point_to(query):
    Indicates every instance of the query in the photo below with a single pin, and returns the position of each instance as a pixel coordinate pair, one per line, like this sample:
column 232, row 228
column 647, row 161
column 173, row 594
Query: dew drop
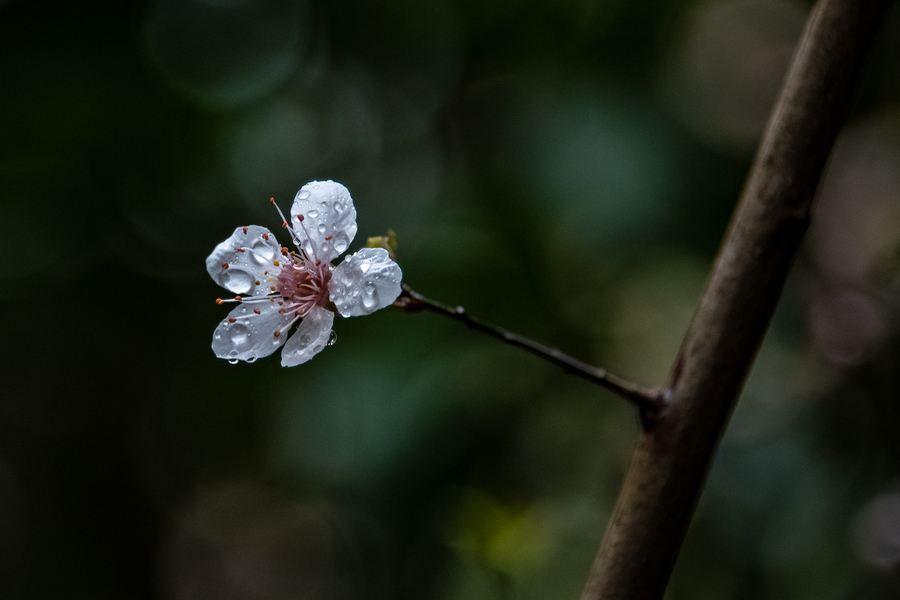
column 303, row 195
column 369, row 297
column 341, row 242
column 312, row 214
column 364, row 267
column 233, row 361
column 236, row 280
column 261, row 252
column 305, row 340
column 322, row 228
column 332, row 338
column 338, row 208
column 250, row 359
column 318, row 349
column 239, row 333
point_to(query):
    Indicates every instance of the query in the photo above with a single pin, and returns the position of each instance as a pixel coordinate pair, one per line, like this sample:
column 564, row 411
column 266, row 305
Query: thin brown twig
column 649, row 402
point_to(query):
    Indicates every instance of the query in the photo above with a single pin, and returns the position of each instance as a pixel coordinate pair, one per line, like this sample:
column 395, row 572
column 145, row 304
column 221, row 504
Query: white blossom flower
column 276, row 287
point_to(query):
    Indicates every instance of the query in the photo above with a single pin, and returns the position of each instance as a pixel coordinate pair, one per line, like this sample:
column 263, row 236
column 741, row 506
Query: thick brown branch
column 670, row 464
column 650, row 403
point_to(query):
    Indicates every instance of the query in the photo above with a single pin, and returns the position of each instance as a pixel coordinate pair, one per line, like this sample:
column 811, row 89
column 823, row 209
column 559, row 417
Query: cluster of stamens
column 299, row 284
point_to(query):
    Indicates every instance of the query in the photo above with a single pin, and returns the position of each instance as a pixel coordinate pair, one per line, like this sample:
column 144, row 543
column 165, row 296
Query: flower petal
column 364, row 282
column 309, row 339
column 251, row 335
column 329, row 219
column 250, row 253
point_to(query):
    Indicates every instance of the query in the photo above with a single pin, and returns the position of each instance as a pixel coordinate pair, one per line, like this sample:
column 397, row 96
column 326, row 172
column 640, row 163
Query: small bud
column 388, row 242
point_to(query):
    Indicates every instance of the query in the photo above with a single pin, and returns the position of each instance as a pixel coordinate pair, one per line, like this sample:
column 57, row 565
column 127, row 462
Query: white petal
column 327, row 211
column 365, row 282
column 252, row 335
column 309, row 339
column 249, row 255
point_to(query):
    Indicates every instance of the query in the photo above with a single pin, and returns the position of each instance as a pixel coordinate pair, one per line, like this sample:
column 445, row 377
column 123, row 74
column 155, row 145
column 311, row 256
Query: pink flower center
column 303, row 284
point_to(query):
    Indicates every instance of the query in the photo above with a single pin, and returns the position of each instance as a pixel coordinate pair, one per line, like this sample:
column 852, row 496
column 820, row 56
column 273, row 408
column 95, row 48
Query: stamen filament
column 245, row 299
column 285, row 223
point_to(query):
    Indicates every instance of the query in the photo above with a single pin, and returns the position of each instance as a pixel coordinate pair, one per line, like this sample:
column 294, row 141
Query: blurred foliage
column 563, row 168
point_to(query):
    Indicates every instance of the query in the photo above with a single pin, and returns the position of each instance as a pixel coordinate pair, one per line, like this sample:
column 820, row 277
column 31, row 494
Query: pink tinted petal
column 248, row 255
column 309, row 339
column 251, row 335
column 329, row 219
column 364, row 282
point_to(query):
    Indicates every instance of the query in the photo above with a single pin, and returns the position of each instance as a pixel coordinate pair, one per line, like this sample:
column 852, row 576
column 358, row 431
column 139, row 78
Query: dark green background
column 562, row 168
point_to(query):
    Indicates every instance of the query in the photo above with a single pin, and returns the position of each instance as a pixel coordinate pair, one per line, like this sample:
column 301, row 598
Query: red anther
column 299, row 217
column 281, row 311
column 219, row 301
column 276, row 333
column 265, row 236
column 265, row 272
column 238, row 298
column 245, row 230
column 224, row 265
column 272, row 200
column 256, row 310
column 329, row 237
column 240, row 249
column 257, row 283
column 231, row 320
column 284, row 225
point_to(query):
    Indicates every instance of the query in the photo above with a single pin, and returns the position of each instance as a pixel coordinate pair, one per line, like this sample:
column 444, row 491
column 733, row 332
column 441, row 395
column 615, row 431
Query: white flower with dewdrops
column 276, row 287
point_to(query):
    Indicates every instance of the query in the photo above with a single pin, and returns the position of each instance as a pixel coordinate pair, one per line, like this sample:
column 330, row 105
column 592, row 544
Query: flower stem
column 649, row 402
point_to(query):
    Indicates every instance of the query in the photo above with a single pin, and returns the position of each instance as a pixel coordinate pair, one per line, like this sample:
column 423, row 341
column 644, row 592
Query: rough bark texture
column 671, row 461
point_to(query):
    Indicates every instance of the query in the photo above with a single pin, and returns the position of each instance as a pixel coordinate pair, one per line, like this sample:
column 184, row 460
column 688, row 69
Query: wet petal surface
column 364, row 282
column 249, row 254
column 329, row 219
column 309, row 339
column 247, row 334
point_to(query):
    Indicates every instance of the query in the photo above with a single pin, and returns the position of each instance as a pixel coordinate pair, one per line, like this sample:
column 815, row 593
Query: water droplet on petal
column 261, row 252
column 322, row 228
column 332, row 338
column 240, row 335
column 312, row 214
column 364, row 267
column 369, row 297
column 234, row 361
column 250, row 359
column 340, row 242
column 338, row 208
column 236, row 280
column 303, row 195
